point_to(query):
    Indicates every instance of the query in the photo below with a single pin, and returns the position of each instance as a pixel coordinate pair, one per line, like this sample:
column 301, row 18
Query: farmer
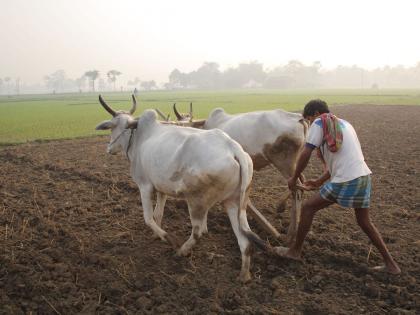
column 346, row 179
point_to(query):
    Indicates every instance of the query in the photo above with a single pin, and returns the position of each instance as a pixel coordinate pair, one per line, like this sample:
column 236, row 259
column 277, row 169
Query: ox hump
column 216, row 117
column 148, row 116
column 217, row 112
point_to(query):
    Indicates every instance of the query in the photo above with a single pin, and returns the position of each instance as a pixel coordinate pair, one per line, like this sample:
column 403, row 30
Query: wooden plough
column 262, row 220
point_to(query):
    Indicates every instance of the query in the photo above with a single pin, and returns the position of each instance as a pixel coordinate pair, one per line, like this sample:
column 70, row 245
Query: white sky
column 149, row 39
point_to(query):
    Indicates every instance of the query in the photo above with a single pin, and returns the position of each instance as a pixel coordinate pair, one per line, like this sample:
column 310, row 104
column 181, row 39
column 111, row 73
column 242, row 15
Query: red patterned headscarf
column 333, row 135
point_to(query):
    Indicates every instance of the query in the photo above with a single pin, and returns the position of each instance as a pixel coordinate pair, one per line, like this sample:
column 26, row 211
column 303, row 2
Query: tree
column 1, row 84
column 80, row 83
column 207, row 76
column 112, row 76
column 92, row 75
column 55, row 80
column 17, row 86
column 245, row 75
column 148, row 85
column 231, row 78
column 134, row 82
column 7, row 80
column 252, row 71
column 102, row 85
column 294, row 74
column 177, row 79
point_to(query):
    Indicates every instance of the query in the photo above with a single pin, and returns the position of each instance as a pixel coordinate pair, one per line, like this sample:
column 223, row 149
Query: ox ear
column 107, row 124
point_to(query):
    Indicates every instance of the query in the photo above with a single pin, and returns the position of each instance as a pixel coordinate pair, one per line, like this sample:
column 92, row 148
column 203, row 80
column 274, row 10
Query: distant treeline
column 294, row 74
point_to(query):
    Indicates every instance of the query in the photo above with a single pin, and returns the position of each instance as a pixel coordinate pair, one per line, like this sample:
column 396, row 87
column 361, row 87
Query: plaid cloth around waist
column 352, row 194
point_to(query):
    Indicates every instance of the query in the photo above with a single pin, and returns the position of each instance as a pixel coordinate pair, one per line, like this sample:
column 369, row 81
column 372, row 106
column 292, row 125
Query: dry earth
column 73, row 239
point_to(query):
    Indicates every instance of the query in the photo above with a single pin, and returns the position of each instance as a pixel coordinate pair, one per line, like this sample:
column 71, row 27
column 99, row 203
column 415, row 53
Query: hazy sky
column 149, row 39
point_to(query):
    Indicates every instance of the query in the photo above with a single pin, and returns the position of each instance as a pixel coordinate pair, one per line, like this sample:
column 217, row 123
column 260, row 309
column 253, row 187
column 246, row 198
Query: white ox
column 203, row 167
column 270, row 137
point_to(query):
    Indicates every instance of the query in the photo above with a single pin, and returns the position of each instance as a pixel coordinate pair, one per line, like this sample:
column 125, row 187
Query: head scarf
column 333, row 134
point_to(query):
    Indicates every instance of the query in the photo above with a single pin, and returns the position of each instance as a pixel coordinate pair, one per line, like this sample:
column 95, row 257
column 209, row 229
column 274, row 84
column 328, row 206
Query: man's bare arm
column 301, row 164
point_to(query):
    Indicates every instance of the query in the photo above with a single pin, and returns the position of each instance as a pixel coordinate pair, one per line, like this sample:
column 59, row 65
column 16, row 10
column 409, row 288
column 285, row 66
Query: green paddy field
column 61, row 116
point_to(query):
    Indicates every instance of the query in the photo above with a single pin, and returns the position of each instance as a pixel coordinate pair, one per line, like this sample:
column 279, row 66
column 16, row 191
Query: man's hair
column 314, row 106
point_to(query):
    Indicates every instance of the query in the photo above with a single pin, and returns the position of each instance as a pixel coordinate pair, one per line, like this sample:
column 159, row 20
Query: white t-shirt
column 348, row 162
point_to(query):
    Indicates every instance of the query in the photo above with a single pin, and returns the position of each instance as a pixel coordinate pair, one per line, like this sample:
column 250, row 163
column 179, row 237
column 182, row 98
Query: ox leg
column 159, row 208
column 204, row 229
column 197, row 217
column 243, row 242
column 286, row 166
column 147, row 202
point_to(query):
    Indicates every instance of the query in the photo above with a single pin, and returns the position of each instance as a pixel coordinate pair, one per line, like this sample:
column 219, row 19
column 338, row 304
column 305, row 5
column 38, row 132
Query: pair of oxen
column 205, row 162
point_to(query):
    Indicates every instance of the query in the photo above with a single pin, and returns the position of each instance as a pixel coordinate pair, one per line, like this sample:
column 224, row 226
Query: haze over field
column 149, row 39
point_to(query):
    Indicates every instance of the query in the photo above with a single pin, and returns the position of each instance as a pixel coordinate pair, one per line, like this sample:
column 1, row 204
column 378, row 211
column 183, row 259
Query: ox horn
column 107, row 108
column 133, row 109
column 191, row 112
column 162, row 115
column 178, row 115
column 132, row 124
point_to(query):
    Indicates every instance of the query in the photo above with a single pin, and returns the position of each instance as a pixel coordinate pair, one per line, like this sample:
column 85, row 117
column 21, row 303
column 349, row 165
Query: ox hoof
column 245, row 277
column 156, row 237
column 285, row 253
column 183, row 252
column 393, row 270
column 172, row 240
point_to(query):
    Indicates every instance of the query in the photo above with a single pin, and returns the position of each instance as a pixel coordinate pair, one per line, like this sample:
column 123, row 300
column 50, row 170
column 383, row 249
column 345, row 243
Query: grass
column 61, row 116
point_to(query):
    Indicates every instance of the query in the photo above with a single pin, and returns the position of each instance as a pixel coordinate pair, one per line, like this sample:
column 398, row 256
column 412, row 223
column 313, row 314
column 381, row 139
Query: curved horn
column 162, row 115
column 132, row 124
column 178, row 115
column 133, row 109
column 107, row 108
column 191, row 112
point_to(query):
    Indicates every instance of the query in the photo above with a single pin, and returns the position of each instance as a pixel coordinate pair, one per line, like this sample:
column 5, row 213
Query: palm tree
column 112, row 76
column 92, row 75
column 7, row 80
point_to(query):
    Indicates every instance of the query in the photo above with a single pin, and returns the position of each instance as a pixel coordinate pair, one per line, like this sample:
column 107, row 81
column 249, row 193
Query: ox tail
column 246, row 169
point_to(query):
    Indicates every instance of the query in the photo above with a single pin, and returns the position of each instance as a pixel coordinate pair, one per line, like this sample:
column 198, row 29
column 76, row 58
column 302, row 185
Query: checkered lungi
column 352, row 194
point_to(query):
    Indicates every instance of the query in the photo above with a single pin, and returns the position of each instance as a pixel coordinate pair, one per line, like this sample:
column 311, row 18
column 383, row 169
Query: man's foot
column 394, row 270
column 286, row 253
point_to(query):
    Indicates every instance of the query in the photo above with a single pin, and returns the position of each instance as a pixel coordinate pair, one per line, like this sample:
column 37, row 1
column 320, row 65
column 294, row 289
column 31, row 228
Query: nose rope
column 116, row 139
column 129, row 141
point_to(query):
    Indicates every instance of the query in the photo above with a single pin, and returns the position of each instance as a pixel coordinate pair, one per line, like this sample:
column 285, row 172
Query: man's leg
column 309, row 208
column 363, row 219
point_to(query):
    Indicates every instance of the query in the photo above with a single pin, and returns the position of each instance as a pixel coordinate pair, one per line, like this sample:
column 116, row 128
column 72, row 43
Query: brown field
column 73, row 239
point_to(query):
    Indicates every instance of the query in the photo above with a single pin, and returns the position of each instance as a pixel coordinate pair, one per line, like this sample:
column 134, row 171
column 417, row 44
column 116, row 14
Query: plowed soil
column 73, row 239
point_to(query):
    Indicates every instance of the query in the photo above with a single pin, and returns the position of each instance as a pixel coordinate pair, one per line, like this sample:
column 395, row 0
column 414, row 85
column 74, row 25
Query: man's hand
column 316, row 183
column 302, row 161
column 291, row 182
column 313, row 183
